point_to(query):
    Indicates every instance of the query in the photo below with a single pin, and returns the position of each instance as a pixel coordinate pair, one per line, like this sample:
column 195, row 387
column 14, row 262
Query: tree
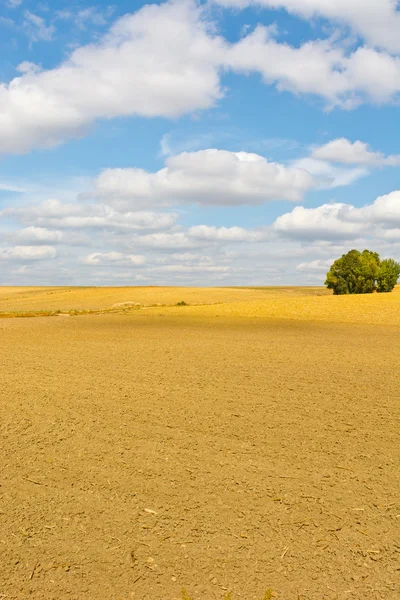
column 362, row 273
column 388, row 275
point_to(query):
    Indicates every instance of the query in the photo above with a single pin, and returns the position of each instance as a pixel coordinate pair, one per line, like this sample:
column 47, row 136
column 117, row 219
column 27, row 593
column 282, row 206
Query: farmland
column 244, row 440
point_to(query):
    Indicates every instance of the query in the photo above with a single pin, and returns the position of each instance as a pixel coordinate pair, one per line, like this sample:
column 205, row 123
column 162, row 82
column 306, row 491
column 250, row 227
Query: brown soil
column 144, row 454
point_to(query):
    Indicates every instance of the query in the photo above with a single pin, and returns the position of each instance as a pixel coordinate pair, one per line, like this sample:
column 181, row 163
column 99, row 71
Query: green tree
column 362, row 273
column 388, row 276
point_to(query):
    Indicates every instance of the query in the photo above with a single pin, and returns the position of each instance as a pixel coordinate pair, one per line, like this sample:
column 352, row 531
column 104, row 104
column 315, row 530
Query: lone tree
column 362, row 273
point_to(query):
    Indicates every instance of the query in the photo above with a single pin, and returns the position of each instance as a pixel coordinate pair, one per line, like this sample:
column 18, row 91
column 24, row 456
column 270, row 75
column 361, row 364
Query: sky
column 227, row 142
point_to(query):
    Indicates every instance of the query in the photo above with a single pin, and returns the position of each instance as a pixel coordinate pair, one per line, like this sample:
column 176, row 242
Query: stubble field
column 245, row 442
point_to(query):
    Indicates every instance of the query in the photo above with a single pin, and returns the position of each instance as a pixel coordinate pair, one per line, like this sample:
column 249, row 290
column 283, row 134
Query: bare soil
column 145, row 454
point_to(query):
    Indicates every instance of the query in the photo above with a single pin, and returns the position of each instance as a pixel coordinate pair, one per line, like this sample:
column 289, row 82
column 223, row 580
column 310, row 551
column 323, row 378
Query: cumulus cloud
column 319, row 67
column 23, row 253
column 326, row 222
column 160, row 61
column 166, row 60
column 315, row 265
column 100, row 258
column 341, row 162
column 226, row 234
column 187, row 269
column 344, row 151
column 166, row 241
column 206, row 177
column 391, row 235
column 185, row 257
column 54, row 213
column 39, row 234
column 378, row 21
column 194, row 237
column 385, row 211
column 338, row 221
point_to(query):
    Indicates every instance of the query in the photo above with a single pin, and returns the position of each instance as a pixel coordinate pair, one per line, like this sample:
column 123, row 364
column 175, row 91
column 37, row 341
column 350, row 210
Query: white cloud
column 21, row 270
column 9, row 187
column 391, row 235
column 327, row 175
column 326, row 222
column 385, row 211
column 100, row 258
column 53, row 213
column 192, row 269
column 337, row 221
column 341, row 162
column 36, row 28
column 378, row 21
column 225, row 234
column 315, row 265
column 185, row 257
column 166, row 241
column 91, row 15
column 28, row 67
column 320, row 67
column 166, row 60
column 207, row 177
column 22, row 253
column 14, row 3
column 359, row 153
column 160, row 61
column 39, row 234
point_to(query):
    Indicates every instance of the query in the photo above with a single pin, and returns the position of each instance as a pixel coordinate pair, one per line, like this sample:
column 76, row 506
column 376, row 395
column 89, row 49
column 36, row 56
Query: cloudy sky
column 202, row 143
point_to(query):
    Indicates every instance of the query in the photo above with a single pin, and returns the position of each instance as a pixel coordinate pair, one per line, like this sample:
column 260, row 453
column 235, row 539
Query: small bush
column 181, row 303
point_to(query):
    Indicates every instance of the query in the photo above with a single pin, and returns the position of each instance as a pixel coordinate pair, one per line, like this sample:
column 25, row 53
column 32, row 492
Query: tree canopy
column 362, row 273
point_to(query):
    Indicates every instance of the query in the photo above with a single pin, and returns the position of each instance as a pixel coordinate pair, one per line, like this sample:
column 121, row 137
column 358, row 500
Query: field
column 247, row 440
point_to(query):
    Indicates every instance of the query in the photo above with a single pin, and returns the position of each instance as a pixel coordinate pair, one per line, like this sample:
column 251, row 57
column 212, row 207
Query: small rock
column 149, row 511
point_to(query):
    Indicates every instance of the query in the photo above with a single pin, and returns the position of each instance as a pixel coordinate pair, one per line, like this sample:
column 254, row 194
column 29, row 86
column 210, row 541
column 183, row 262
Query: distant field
column 95, row 298
column 247, row 441
column 299, row 303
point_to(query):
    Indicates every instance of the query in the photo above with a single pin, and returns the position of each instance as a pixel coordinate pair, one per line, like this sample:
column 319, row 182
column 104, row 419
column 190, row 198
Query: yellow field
column 247, row 441
column 315, row 304
column 92, row 298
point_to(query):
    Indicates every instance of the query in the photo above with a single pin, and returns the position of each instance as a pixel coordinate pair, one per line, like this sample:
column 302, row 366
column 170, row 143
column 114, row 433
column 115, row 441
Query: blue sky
column 229, row 142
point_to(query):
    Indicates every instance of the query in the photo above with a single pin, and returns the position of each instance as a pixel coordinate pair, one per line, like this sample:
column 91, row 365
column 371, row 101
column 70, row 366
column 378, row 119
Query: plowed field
column 246, row 445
